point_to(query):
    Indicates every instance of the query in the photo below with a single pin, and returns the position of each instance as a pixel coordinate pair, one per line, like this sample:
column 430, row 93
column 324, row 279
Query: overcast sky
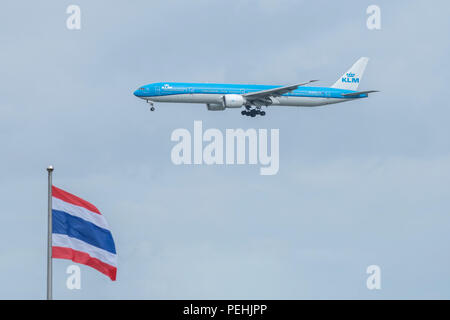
column 360, row 183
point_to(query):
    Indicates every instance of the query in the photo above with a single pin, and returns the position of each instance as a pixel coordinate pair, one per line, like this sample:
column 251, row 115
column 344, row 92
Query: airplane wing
column 275, row 92
column 356, row 94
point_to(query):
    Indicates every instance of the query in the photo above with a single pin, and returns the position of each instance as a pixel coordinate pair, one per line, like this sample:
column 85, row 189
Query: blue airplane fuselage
column 220, row 96
column 211, row 93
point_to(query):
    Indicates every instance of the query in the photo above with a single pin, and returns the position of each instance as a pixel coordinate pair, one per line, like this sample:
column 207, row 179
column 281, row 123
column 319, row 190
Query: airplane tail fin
column 350, row 80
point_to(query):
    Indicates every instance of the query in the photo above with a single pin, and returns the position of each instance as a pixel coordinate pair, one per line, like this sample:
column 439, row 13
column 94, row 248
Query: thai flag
column 81, row 233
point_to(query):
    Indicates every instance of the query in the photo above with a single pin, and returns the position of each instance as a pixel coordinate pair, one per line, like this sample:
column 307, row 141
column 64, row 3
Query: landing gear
column 152, row 108
column 252, row 112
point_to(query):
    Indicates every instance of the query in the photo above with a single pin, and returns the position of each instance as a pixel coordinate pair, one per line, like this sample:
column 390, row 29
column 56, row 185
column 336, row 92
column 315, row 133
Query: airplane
column 219, row 97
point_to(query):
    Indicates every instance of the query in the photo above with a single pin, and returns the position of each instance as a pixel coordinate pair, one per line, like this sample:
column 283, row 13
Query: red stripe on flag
column 70, row 198
column 86, row 259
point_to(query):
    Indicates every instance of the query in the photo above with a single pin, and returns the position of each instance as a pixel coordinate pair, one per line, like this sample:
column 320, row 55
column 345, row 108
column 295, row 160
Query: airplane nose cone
column 136, row 93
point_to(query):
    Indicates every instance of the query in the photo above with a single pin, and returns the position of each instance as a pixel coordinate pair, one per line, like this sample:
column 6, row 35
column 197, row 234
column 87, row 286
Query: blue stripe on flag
column 64, row 223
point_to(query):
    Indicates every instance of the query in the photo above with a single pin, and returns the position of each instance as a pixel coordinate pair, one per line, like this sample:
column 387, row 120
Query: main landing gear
column 249, row 112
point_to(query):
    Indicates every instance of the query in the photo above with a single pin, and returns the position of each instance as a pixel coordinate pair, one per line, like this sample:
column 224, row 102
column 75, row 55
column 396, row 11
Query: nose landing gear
column 152, row 108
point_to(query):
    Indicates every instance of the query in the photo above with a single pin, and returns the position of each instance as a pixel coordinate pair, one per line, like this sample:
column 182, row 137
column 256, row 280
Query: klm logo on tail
column 350, row 78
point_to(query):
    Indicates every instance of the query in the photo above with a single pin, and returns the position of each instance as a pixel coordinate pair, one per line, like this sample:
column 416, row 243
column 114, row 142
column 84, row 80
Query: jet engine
column 215, row 106
column 233, row 100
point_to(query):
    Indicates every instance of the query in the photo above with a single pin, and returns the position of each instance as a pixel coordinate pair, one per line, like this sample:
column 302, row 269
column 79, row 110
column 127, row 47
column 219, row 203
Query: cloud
column 359, row 183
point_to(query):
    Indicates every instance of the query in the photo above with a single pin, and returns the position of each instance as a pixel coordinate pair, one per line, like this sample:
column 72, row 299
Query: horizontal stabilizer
column 356, row 94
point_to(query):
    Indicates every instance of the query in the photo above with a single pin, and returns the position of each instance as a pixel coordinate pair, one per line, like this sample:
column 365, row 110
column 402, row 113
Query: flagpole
column 49, row 236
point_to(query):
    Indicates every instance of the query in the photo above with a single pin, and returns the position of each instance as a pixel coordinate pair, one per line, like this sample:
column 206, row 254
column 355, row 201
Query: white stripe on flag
column 62, row 240
column 80, row 212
